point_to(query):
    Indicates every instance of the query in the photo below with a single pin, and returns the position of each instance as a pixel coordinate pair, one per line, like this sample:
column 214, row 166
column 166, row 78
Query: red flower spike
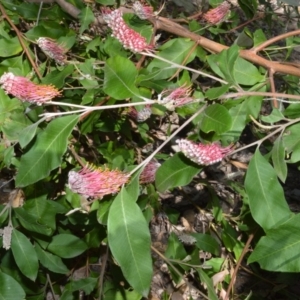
column 53, row 50
column 203, row 154
column 216, row 15
column 129, row 38
column 96, row 182
column 25, row 90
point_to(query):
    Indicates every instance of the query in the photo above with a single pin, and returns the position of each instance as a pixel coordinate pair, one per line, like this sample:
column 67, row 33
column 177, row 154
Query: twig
column 233, row 277
column 19, row 35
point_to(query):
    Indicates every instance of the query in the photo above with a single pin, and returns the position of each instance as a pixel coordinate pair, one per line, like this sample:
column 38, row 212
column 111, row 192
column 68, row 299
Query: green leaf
column 266, row 197
column 10, row 289
column 129, row 241
column 58, row 77
column 24, row 254
column 85, row 284
column 176, row 171
column 52, row 262
column 46, row 154
column 27, row 134
column 175, row 50
column 278, row 251
column 246, row 73
column 216, row 118
column 119, row 77
column 216, row 92
column 66, row 245
column 86, row 17
column 278, row 158
column 10, row 47
column 292, row 142
column 207, row 243
column 209, row 284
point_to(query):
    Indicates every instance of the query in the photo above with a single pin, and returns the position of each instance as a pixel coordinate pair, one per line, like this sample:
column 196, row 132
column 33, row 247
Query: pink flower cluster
column 52, row 49
column 203, row 154
column 148, row 174
column 129, row 38
column 25, row 90
column 176, row 98
column 216, row 15
column 142, row 115
column 96, row 182
column 144, row 12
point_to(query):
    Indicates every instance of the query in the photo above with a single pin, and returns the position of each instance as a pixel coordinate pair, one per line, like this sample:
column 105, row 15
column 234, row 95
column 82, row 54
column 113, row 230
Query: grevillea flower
column 202, row 154
column 25, row 90
column 129, row 38
column 142, row 115
column 148, row 174
column 142, row 11
column 52, row 49
column 96, row 182
column 216, row 15
column 176, row 98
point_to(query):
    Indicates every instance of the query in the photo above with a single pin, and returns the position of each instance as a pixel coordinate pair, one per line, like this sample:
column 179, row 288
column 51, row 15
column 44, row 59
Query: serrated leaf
column 266, row 197
column 216, row 118
column 47, row 151
column 129, row 241
column 176, row 171
column 50, row 261
column 278, row 251
column 119, row 77
column 24, row 254
column 10, row 289
column 66, row 245
column 278, row 159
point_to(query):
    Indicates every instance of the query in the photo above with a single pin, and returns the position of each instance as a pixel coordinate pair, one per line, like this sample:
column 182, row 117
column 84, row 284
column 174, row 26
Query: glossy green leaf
column 278, row 251
column 119, row 77
column 278, row 159
column 266, row 197
column 207, row 243
column 209, row 284
column 176, row 171
column 50, row 261
column 58, row 78
column 67, row 245
column 129, row 241
column 24, row 254
column 216, row 118
column 10, row 289
column 47, row 151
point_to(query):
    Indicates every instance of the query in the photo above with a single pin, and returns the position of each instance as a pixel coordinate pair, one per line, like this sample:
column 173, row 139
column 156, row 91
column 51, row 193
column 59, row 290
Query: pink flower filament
column 96, row 182
column 52, row 49
column 25, row 90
